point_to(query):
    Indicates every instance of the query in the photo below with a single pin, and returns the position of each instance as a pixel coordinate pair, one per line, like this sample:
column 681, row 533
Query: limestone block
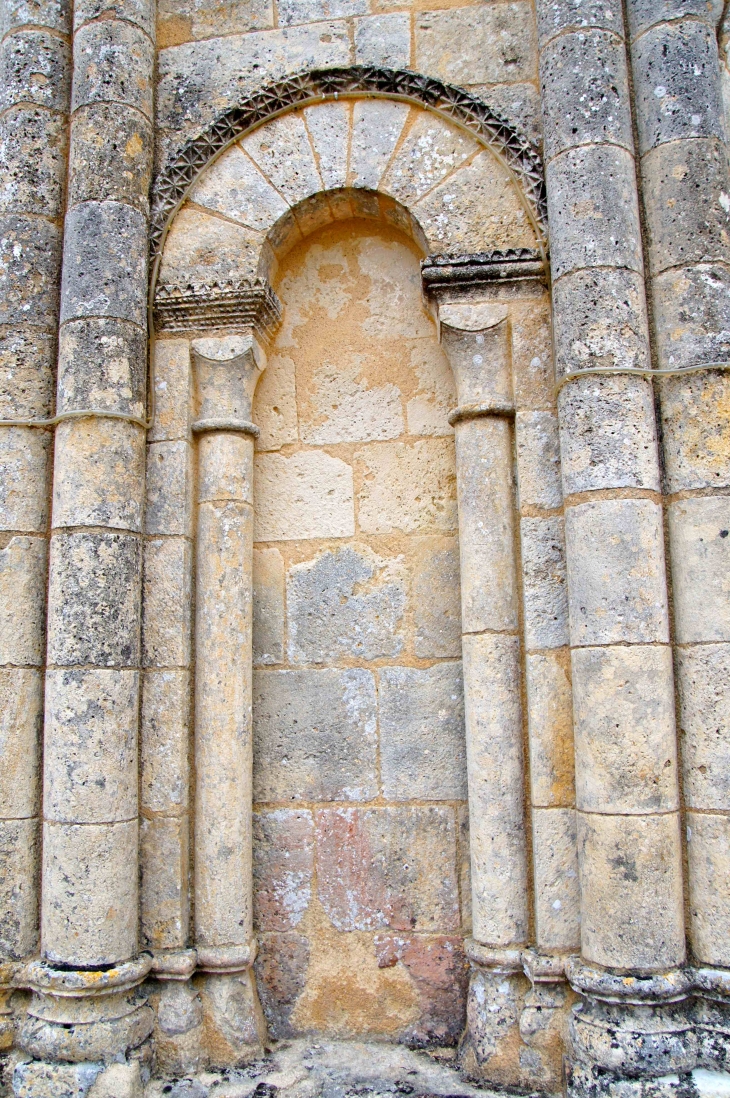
column 473, row 46
column 422, row 738
column 90, row 746
column 430, row 150
column 696, row 433
column 105, row 263
column 274, row 408
column 139, row 12
column 19, row 859
column 494, row 1007
column 172, row 390
column 519, row 104
column 388, row 867
column 464, row 866
column 314, row 735
column 692, row 315
column 165, row 741
column 708, row 858
column 593, row 209
column 210, row 16
column 308, row 495
column 33, row 146
column 436, row 597
column 310, row 11
column 89, row 914
column 550, row 725
column 281, row 968
column 557, row 894
column 631, row 889
column 438, row 968
column 30, row 257
column 346, row 603
column 118, row 1081
column 99, row 474
column 100, row 169
column 383, row 40
column 328, row 125
column 205, row 249
column 560, row 15
column 643, row 14
column 407, row 487
column 616, row 574
column 283, row 867
column 102, row 363
column 284, row 154
column 625, row 745
column 26, row 378
column 22, row 611
column 608, row 434
column 376, row 126
column 538, row 460
column 179, row 1028
column 169, row 504
column 585, row 91
column 268, row 607
column 600, row 320
column 533, row 372
column 475, row 209
column 53, row 14
column 698, row 537
column 496, row 808
column 544, row 588
column 677, row 83
column 476, row 341
column 113, row 62
column 93, row 599
column 486, row 524
column 163, row 893
column 35, row 67
column 233, row 1026
column 24, row 482
column 235, row 187
column 344, row 406
column 167, row 602
column 36, row 1079
column 703, row 681
column 21, row 716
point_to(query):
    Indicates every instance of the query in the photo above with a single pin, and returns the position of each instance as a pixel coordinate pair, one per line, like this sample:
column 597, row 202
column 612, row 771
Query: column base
column 491, row 1047
column 234, row 1030
column 34, row 1079
column 178, row 1033
column 712, row 1018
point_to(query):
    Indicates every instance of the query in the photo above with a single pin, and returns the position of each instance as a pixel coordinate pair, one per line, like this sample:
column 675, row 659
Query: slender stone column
column 686, row 184
column 89, row 914
column 623, row 692
column 226, row 371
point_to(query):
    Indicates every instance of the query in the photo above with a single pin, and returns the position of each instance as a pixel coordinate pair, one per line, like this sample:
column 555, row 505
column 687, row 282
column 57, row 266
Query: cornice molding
column 453, row 276
column 197, row 308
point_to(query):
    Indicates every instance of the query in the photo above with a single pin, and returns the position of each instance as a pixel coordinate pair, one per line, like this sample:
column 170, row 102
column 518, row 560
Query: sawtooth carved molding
column 230, row 304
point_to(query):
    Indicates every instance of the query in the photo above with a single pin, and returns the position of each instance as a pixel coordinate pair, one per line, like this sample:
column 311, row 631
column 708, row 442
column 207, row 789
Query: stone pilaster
column 89, row 918
column 685, row 186
column 623, row 692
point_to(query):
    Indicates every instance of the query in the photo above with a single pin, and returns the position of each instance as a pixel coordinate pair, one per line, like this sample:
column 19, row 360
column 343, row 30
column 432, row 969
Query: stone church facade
column 364, row 510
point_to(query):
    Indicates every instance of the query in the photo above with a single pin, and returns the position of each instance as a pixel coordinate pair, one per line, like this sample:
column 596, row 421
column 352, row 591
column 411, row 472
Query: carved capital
column 244, row 304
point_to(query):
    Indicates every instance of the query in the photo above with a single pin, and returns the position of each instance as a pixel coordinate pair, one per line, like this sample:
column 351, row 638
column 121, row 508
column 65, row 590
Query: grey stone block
column 93, row 600
column 474, row 45
column 120, row 169
column 346, row 602
column 102, row 364
column 557, row 16
column 643, row 14
column 314, row 735
column 557, row 893
column 695, row 430
column 703, row 682
column 585, row 91
column 268, row 607
column 35, row 67
column 33, row 147
column 593, row 210
column 19, row 863
column 21, row 721
column 312, row 11
column 139, row 12
column 692, row 315
column 708, row 859
column 27, row 358
column 163, row 884
column 384, row 40
column 23, row 569
column 544, row 582
column 169, row 506
column 24, row 455
column 283, row 867
column 99, row 474
column 422, row 737
column 538, row 460
column 30, row 258
column 165, row 741
column 105, row 263
column 519, row 104
column 167, row 602
column 54, row 14
column 436, row 598
column 700, row 548
column 113, row 62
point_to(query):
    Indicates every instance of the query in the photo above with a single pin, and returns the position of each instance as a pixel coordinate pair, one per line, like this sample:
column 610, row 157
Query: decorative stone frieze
column 228, row 305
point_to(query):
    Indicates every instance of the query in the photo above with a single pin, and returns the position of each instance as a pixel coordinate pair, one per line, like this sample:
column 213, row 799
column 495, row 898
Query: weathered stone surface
column 438, row 968
column 538, row 460
column 169, row 506
column 34, row 1077
column 179, row 1030
column 54, row 14
column 281, row 967
column 388, row 868
column 118, row 1081
column 643, row 14
column 550, row 725
column 164, row 741
column 383, row 39
column 35, row 68
column 139, row 12
column 407, row 487
column 429, row 151
column 102, row 364
column 376, row 127
column 283, row 864
column 225, row 467
column 696, row 434
column 19, row 860
column 557, row 894
column 26, row 379
column 99, row 474
column 314, row 735
column 544, row 588
column 173, row 384
column 436, row 597
column 233, row 1024
column 24, row 457
column 422, row 738
column 105, row 263
column 519, row 104
column 533, row 372
column 625, row 747
column 631, row 889
column 311, row 11
column 284, row 154
column 699, row 530
column 90, row 746
column 119, row 170
column 708, row 858
column 692, row 311
column 473, row 46
column 113, row 62
column 328, row 126
column 493, row 1009
column 345, row 603
column 94, row 582
column 235, row 187
column 308, row 495
column 30, row 254
column 33, row 146
column 703, row 681
column 616, row 575
column 206, row 249
column 163, row 893
column 21, row 716
column 268, row 607
column 22, row 612
column 89, row 914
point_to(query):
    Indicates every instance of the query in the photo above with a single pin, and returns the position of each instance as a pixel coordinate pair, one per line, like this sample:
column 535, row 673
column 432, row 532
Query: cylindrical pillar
column 226, row 371
column 477, row 342
column 623, row 692
column 89, row 916
column 686, row 183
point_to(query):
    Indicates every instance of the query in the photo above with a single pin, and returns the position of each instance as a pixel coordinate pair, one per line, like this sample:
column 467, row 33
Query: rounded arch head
column 337, row 143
